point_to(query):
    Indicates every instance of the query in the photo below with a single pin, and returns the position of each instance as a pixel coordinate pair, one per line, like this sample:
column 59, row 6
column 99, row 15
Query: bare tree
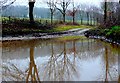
column 62, row 7
column 111, row 14
column 95, row 16
column 51, row 5
column 93, row 10
column 118, row 14
column 81, row 12
column 87, row 10
column 73, row 12
column 81, row 16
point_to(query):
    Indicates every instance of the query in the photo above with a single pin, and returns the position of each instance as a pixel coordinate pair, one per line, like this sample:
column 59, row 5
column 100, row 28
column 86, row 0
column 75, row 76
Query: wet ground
column 71, row 32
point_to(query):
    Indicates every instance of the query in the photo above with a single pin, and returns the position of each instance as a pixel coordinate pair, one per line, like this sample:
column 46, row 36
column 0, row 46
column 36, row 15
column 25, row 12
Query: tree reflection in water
column 59, row 67
column 109, row 76
column 119, row 65
column 32, row 71
column 107, row 65
column 12, row 72
column 63, row 62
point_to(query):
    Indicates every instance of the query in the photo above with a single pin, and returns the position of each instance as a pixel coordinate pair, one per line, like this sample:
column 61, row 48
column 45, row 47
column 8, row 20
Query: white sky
column 41, row 3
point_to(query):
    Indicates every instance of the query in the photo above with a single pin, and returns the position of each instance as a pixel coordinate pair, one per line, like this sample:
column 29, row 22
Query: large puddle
column 59, row 60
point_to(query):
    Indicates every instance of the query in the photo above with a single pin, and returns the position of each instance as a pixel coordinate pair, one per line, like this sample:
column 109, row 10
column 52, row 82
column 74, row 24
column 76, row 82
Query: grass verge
column 112, row 33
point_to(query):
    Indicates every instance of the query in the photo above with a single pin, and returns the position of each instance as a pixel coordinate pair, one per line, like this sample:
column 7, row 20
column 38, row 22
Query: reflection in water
column 33, row 72
column 118, row 65
column 108, row 73
column 74, row 60
column 59, row 67
column 107, row 65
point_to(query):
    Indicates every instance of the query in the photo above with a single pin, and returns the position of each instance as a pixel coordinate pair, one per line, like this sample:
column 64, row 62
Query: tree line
column 108, row 12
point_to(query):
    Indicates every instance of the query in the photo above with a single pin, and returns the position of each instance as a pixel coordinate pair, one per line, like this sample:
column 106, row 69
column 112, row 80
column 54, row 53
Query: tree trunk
column 91, row 20
column 31, row 6
column 73, row 18
column 118, row 18
column 94, row 20
column 64, row 17
column 105, row 12
column 81, row 18
column 87, row 18
column 64, row 11
column 81, row 21
column 97, row 20
column 51, row 18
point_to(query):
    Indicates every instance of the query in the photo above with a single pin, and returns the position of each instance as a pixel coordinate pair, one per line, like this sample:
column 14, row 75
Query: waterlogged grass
column 69, row 38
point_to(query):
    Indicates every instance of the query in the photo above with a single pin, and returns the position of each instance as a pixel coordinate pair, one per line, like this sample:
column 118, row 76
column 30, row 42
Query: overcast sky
column 41, row 3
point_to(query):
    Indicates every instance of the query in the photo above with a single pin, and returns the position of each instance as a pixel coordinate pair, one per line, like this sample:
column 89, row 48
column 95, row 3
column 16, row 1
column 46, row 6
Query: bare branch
column 52, row 7
column 5, row 6
column 60, row 10
column 64, row 5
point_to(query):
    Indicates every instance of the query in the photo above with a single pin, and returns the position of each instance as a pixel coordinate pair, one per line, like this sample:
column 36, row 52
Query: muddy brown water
column 53, row 60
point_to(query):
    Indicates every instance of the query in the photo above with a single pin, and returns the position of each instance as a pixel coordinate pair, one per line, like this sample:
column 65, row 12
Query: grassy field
column 46, row 20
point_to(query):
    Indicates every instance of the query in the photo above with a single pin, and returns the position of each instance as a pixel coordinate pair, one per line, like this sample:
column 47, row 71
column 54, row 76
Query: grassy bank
column 16, row 27
column 112, row 34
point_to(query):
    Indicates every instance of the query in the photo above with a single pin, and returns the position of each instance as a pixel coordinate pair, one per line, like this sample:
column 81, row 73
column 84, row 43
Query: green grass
column 116, row 27
column 68, row 27
column 69, row 38
column 61, row 28
column 115, row 30
column 65, row 27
